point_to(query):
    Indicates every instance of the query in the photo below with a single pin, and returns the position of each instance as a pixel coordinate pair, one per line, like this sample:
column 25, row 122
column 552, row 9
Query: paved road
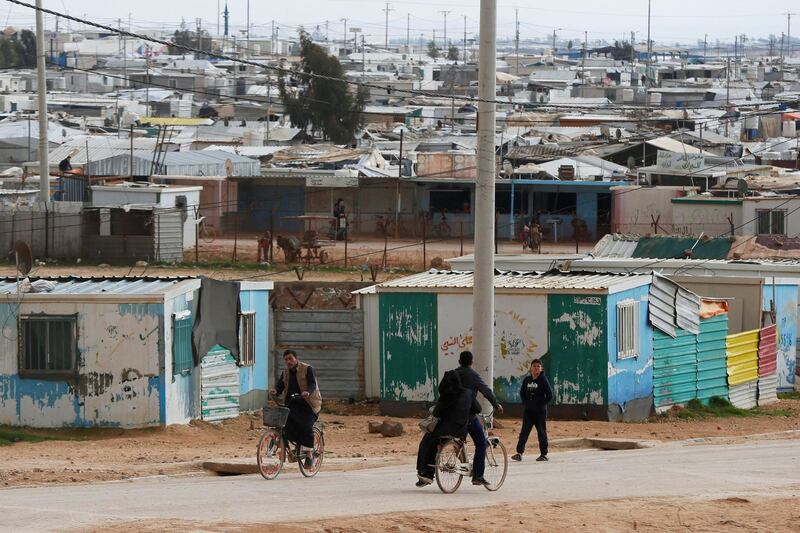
column 767, row 467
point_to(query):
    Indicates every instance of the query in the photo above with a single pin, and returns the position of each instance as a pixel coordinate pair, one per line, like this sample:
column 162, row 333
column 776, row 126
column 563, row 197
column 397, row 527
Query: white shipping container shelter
column 186, row 199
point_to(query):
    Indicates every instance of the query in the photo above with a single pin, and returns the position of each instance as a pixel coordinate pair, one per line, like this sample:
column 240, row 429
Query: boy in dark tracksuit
column 535, row 393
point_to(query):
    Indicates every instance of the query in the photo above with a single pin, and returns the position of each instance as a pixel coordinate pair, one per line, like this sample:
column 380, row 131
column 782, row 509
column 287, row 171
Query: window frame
column 769, row 216
column 44, row 373
column 185, row 367
column 628, row 341
column 247, row 338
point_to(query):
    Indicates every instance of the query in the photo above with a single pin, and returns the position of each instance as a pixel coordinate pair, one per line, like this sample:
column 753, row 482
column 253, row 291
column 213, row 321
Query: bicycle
column 272, row 450
column 206, row 231
column 453, row 463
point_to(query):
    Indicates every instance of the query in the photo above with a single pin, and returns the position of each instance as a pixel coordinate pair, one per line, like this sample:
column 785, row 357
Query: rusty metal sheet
column 768, row 351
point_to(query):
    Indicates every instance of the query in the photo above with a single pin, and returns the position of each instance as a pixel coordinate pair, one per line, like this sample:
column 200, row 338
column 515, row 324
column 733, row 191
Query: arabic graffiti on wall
column 520, row 336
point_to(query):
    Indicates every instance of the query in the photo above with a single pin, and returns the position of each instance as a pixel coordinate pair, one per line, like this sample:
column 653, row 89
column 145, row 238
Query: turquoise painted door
column 577, row 359
column 409, row 354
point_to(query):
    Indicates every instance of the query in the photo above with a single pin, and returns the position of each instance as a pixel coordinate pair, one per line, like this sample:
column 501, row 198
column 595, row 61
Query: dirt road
column 761, row 469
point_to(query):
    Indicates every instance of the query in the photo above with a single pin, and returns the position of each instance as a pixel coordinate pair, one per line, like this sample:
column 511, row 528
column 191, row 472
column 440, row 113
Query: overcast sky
column 672, row 20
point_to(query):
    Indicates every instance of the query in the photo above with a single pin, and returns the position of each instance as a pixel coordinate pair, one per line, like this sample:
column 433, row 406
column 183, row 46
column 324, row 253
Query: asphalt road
column 693, row 471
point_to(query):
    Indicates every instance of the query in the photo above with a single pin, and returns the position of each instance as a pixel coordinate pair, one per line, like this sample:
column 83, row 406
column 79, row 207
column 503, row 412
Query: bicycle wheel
column 316, row 455
column 448, row 466
column 271, row 454
column 496, row 464
column 208, row 234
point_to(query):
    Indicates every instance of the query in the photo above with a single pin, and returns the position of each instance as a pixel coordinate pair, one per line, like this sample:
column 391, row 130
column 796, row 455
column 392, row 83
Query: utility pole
column 327, row 33
column 218, row 18
column 41, row 82
column 465, row 38
column 705, row 47
column 789, row 33
column 247, row 45
column 727, row 92
column 649, row 48
column 554, row 43
column 444, row 46
column 585, row 52
column 483, row 277
column 782, row 37
column 408, row 34
column 516, row 39
column 344, row 39
column 363, row 58
column 387, row 9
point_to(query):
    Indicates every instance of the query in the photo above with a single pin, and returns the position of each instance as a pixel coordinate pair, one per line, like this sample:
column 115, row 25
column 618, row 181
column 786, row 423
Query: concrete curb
column 603, row 443
column 231, row 468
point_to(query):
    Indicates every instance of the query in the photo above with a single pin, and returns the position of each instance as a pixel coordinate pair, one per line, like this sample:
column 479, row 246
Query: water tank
column 790, row 129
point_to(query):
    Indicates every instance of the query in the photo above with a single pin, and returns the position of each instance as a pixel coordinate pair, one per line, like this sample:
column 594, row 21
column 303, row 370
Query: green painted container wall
column 577, row 360
column 674, row 368
column 408, row 346
column 712, row 373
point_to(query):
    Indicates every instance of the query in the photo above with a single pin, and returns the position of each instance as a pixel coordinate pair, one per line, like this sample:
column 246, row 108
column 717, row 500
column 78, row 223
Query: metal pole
column 41, row 82
column 516, row 40
column 408, row 32
column 483, row 302
column 465, row 38
column 248, row 29
column 130, row 161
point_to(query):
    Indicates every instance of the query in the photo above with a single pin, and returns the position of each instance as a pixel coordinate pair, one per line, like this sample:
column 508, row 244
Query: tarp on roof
column 676, row 248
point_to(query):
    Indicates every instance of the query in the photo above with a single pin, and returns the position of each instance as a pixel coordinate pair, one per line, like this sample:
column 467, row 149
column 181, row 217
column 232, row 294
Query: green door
column 408, row 337
column 577, row 361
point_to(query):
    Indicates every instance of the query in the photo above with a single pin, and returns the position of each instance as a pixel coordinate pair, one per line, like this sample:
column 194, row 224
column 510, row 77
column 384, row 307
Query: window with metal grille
column 48, row 345
column 771, row 222
column 627, row 329
column 182, row 360
column 247, row 338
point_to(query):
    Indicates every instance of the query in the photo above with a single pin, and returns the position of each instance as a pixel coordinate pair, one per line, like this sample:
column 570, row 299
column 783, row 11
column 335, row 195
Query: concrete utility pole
column 789, row 33
column 444, row 47
column 408, row 33
column 516, row 39
column 585, row 52
column 705, row 47
column 41, row 82
column 649, row 48
column 387, row 9
column 465, row 38
column 783, row 35
column 483, row 291
column 218, row 12
column 554, row 42
column 247, row 45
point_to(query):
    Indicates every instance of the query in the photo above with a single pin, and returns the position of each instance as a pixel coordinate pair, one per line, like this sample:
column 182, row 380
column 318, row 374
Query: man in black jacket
column 472, row 380
column 535, row 393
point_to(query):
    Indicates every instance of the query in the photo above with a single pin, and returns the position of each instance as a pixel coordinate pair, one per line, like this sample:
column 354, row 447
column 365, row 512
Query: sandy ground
column 103, row 455
column 731, row 514
column 403, row 255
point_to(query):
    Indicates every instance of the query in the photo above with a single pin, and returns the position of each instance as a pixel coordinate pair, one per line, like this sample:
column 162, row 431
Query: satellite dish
column 742, row 187
column 23, row 257
column 228, row 168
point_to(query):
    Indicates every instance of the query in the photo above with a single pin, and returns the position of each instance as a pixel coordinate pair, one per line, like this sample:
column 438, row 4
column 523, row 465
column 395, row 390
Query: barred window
column 48, row 345
column 247, row 338
column 627, row 329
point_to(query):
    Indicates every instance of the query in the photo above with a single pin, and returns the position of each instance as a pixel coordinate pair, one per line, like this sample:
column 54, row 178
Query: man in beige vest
column 301, row 395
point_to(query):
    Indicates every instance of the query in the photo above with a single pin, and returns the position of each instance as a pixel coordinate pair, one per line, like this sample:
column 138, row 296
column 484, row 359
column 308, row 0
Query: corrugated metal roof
column 127, row 286
column 671, row 145
column 446, row 279
column 676, row 248
column 615, row 245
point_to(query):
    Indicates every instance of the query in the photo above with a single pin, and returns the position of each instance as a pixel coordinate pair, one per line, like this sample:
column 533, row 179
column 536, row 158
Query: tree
column 26, row 48
column 325, row 105
column 452, row 53
column 183, row 37
column 8, row 54
column 622, row 51
column 433, row 50
column 569, row 45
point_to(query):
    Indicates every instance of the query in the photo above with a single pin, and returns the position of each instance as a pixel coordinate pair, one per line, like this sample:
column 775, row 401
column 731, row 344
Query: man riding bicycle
column 303, row 399
column 472, row 380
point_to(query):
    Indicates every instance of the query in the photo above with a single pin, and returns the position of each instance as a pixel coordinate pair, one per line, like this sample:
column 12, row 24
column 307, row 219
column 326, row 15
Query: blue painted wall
column 117, row 383
column 786, row 320
column 629, row 379
column 180, row 398
column 254, row 378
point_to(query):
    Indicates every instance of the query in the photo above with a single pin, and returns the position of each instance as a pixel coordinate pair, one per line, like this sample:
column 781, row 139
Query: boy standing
column 535, row 393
